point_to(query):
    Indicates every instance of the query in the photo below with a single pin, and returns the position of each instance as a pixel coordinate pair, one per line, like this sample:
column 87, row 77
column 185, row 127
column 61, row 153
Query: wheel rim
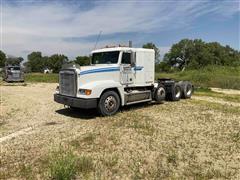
column 110, row 103
column 161, row 92
column 189, row 90
column 178, row 92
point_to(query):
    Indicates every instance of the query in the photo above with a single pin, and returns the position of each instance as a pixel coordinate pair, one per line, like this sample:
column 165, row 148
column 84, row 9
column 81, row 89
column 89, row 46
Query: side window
column 126, row 58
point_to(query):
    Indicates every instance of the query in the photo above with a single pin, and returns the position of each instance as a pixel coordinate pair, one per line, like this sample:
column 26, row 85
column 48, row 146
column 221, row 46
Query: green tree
column 11, row 60
column 157, row 51
column 197, row 54
column 163, row 67
column 35, row 62
column 45, row 62
column 26, row 67
column 82, row 60
column 2, row 59
column 56, row 61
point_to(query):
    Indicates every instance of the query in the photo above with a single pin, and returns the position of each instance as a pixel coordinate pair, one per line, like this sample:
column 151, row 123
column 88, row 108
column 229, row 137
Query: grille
column 67, row 83
column 16, row 75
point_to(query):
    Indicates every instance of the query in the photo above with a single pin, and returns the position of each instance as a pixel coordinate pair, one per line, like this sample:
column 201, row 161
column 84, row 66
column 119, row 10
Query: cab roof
column 122, row 49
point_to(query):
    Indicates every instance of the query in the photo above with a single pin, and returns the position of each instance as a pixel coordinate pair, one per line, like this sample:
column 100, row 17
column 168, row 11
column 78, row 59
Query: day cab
column 13, row 74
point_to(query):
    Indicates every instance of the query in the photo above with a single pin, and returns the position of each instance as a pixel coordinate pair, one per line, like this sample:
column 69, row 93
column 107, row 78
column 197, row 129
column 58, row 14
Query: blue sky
column 71, row 27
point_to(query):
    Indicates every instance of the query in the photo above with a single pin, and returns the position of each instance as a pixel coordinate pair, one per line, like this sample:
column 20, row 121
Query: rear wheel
column 109, row 103
column 176, row 93
column 187, row 90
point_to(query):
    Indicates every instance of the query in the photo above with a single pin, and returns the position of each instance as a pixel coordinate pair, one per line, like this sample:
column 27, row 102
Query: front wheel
column 109, row 103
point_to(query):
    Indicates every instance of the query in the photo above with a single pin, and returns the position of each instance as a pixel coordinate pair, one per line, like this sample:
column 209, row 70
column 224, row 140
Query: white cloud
column 42, row 26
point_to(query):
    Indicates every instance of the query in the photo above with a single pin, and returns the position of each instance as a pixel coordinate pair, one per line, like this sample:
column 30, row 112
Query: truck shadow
column 79, row 113
column 88, row 114
column 138, row 106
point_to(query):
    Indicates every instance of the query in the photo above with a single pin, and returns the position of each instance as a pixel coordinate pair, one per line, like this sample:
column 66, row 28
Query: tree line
column 197, row 54
column 186, row 54
column 36, row 62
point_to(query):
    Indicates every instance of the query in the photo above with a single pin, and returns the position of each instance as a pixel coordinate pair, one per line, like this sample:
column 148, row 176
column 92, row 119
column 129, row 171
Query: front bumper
column 14, row 79
column 76, row 102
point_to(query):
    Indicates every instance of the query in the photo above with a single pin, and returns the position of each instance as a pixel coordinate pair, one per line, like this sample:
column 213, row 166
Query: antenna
column 100, row 32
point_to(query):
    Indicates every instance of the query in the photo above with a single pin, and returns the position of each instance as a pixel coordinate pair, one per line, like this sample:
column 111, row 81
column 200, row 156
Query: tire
column 159, row 94
column 176, row 93
column 187, row 89
column 109, row 103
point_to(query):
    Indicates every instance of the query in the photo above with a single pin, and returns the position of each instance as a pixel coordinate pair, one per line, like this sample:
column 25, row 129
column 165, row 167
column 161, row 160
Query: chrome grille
column 67, row 83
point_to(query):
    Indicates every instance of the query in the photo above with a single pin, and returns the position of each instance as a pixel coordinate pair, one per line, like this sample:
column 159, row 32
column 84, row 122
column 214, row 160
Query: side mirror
column 133, row 59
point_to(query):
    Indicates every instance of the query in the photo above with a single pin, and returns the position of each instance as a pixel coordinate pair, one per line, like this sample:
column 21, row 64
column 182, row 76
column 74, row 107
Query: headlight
column 85, row 91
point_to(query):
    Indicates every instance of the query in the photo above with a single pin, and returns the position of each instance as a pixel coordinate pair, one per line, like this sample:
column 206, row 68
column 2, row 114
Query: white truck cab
column 117, row 77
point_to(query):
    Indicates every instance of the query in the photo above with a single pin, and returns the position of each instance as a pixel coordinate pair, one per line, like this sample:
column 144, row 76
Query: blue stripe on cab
column 137, row 68
column 100, row 70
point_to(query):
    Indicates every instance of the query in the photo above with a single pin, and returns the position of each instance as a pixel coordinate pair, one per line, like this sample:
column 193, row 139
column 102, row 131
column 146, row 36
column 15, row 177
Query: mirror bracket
column 133, row 59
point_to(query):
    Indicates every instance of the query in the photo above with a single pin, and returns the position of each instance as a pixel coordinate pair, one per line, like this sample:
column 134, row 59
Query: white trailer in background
column 117, row 77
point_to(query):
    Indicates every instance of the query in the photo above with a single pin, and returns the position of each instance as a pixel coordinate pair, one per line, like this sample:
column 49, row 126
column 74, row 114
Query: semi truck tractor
column 117, row 76
column 13, row 74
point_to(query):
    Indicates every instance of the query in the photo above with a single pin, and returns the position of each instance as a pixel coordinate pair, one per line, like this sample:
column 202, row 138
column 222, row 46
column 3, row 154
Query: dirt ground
column 197, row 138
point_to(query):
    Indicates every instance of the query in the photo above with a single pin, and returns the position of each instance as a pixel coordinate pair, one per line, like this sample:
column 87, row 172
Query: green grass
column 40, row 77
column 63, row 165
column 211, row 76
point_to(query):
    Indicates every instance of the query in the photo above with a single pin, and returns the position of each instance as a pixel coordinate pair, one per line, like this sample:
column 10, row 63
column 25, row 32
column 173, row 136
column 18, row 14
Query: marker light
column 85, row 91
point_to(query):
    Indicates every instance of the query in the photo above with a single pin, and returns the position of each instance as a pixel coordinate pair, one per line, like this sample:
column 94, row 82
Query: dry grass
column 220, row 95
column 190, row 139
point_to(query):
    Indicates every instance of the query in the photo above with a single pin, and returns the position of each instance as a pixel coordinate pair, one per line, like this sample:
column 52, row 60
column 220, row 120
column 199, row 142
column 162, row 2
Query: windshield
column 105, row 57
column 13, row 68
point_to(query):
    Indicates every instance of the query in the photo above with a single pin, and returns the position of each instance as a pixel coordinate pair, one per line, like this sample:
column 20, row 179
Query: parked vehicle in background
column 47, row 71
column 117, row 76
column 13, row 74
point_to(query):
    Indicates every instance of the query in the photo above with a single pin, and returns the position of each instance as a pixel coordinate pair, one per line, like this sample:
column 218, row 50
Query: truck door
column 126, row 69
